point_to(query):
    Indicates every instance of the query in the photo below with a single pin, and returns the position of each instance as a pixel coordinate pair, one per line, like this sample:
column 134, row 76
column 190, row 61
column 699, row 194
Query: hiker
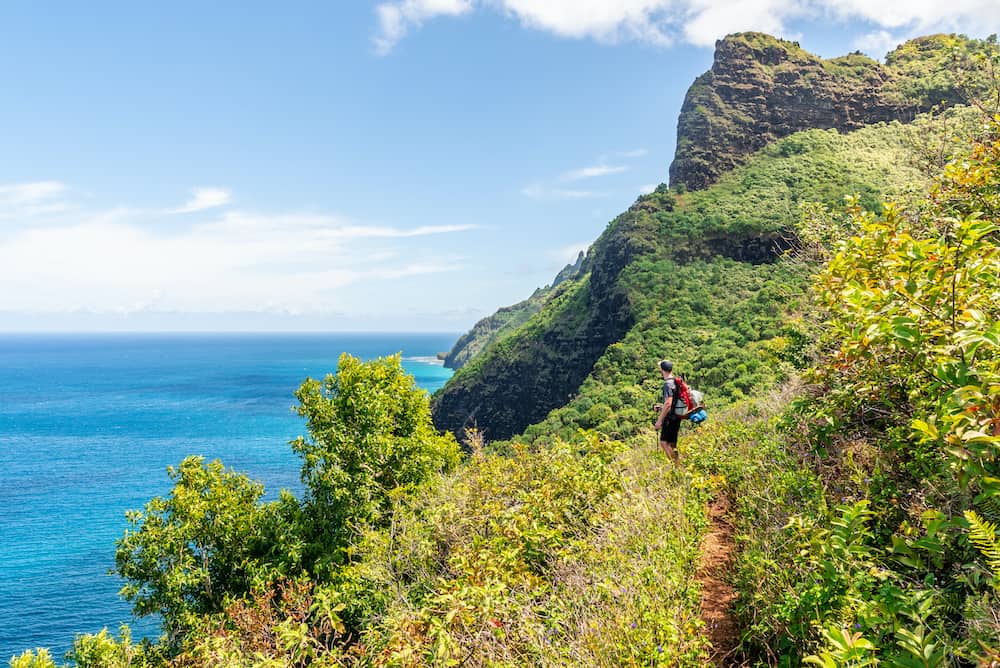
column 668, row 422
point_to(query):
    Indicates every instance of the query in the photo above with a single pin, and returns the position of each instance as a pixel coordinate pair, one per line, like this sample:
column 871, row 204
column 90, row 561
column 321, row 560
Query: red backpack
column 683, row 394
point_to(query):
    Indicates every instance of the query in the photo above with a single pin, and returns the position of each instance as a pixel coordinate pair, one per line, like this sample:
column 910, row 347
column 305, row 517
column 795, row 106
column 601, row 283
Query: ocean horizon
column 89, row 423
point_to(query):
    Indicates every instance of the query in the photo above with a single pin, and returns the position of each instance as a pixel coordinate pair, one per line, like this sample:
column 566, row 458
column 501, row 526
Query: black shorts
column 668, row 432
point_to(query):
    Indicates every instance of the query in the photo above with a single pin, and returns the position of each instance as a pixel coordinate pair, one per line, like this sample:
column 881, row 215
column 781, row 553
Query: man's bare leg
column 670, row 449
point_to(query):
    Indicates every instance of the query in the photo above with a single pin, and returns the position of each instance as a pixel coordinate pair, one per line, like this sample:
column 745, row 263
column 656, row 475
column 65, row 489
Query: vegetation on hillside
column 507, row 319
column 867, row 513
column 747, row 216
column 730, row 326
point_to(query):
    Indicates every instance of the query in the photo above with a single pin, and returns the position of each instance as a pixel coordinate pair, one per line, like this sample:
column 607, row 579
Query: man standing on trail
column 668, row 422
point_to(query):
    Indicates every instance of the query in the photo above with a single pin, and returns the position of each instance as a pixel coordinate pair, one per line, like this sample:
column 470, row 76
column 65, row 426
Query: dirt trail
column 717, row 596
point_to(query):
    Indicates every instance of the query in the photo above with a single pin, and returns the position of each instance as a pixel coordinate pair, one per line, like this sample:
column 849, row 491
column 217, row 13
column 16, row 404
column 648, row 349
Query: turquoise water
column 88, row 425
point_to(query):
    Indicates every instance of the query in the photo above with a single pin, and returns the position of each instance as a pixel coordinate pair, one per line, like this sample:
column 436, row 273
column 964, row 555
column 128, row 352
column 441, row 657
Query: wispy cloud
column 698, row 22
column 635, row 153
column 601, row 167
column 205, row 198
column 32, row 199
column 111, row 261
column 396, row 18
column 878, row 42
column 647, row 188
column 26, row 193
column 396, row 233
column 593, row 171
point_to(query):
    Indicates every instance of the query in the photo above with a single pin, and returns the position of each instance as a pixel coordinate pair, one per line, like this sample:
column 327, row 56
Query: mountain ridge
column 538, row 366
column 761, row 88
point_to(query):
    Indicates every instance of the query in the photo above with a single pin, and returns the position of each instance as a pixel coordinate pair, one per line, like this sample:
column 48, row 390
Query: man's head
column 666, row 367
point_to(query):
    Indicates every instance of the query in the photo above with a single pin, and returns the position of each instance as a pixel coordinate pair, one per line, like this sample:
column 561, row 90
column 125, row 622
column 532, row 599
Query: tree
column 370, row 437
column 183, row 554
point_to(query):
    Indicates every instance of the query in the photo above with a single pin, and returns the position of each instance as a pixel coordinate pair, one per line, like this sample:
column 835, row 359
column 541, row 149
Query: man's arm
column 664, row 411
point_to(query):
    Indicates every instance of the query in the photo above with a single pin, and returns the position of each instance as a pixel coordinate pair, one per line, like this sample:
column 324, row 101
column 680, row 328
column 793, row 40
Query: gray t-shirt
column 669, row 387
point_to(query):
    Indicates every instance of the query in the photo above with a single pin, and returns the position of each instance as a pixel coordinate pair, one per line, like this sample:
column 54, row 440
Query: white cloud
column 396, row 18
column 592, row 171
column 32, row 199
column 205, row 198
column 877, row 43
column 646, row 189
column 26, row 193
column 603, row 20
column 708, row 20
column 116, row 262
column 698, row 22
column 921, row 16
column 395, row 233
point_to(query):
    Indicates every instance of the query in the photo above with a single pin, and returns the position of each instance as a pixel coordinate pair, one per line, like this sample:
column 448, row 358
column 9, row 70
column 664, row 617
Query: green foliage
column 948, row 69
column 845, row 648
column 983, row 535
column 286, row 625
column 370, row 436
column 763, row 196
column 183, row 554
column 568, row 555
column 30, row 659
column 102, row 650
column 211, row 555
column 901, row 420
column 723, row 332
column 915, row 305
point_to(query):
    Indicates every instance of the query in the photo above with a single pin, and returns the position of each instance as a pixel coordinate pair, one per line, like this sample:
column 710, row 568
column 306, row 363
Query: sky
column 404, row 165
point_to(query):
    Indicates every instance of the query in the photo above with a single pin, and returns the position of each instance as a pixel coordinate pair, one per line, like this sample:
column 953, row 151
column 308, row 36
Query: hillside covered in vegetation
column 518, row 379
column 507, row 319
column 837, row 297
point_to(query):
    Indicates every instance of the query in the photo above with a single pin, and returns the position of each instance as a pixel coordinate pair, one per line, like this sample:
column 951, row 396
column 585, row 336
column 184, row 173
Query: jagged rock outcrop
column 761, row 88
column 571, row 270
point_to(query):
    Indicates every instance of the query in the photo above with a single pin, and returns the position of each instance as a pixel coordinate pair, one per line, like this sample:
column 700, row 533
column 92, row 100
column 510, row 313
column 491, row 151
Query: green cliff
column 691, row 275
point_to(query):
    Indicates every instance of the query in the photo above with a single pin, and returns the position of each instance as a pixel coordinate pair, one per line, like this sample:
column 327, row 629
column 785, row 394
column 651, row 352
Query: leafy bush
column 182, row 555
column 902, row 423
column 370, row 436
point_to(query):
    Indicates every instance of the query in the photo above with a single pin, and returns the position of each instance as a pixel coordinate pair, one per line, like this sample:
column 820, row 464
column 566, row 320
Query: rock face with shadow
column 761, row 88
column 519, row 378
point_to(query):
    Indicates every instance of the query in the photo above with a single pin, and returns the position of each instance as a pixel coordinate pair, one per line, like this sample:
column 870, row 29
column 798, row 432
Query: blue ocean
column 89, row 424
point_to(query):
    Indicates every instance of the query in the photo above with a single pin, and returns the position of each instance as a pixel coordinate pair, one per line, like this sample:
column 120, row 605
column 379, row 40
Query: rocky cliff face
column 519, row 379
column 761, row 88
